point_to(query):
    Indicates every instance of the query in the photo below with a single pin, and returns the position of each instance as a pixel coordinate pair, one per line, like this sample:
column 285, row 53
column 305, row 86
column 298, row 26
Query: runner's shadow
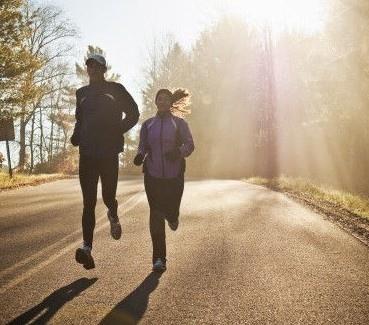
column 45, row 310
column 132, row 308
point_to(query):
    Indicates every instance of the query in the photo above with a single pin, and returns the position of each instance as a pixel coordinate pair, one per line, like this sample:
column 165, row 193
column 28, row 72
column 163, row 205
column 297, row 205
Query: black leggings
column 90, row 169
column 164, row 196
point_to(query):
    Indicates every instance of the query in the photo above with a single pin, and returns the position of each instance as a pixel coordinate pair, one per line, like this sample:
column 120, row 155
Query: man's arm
column 129, row 107
column 75, row 138
column 142, row 146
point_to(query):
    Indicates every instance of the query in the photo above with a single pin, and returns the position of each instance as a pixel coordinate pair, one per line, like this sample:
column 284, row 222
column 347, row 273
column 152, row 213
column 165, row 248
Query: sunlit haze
column 127, row 29
column 304, row 15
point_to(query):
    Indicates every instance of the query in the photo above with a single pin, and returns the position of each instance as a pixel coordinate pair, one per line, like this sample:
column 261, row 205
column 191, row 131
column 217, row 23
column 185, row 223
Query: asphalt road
column 242, row 255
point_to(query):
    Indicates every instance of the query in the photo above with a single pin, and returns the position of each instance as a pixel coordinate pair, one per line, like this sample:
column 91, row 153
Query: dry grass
column 353, row 203
column 20, row 179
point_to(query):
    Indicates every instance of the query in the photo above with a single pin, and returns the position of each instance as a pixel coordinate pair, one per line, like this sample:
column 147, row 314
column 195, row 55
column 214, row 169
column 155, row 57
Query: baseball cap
column 98, row 58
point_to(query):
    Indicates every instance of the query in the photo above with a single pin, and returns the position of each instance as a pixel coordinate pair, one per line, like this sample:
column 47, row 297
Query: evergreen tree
column 81, row 69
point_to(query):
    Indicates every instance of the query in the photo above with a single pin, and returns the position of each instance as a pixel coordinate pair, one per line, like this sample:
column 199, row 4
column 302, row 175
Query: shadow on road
column 132, row 308
column 45, row 310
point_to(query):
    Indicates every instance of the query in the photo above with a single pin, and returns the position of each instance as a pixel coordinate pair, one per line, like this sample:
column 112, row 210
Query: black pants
column 90, row 169
column 164, row 197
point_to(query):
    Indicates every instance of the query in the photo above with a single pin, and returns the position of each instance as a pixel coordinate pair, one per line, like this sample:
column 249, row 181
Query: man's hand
column 74, row 140
column 173, row 154
column 138, row 159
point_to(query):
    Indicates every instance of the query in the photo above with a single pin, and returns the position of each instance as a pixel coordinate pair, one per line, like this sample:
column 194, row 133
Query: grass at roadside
column 356, row 204
column 20, row 179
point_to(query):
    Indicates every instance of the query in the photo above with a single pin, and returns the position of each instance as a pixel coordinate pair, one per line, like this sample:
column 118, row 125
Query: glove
column 138, row 159
column 74, row 140
column 173, row 154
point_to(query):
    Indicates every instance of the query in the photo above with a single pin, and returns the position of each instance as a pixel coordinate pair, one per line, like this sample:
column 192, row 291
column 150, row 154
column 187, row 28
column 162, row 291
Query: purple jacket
column 159, row 135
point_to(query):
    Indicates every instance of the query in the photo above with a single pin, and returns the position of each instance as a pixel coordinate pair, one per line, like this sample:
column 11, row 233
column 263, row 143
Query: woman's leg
column 157, row 232
column 153, row 188
column 173, row 198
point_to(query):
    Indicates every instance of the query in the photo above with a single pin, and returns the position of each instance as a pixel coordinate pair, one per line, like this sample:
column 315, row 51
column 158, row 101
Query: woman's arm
column 187, row 146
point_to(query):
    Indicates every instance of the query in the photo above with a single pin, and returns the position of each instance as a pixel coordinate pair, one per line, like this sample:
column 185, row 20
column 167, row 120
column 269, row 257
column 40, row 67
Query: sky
column 126, row 29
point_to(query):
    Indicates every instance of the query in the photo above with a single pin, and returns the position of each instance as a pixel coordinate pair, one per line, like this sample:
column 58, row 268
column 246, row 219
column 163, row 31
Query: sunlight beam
column 305, row 16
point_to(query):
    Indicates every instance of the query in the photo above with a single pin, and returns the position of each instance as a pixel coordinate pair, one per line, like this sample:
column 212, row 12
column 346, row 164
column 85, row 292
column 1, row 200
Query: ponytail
column 180, row 101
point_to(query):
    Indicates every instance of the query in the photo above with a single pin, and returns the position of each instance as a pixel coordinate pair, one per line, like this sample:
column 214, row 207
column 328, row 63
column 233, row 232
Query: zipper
column 161, row 146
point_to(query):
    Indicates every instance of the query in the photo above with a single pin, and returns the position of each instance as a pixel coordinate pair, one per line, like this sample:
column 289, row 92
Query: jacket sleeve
column 142, row 145
column 75, row 138
column 187, row 146
column 130, row 109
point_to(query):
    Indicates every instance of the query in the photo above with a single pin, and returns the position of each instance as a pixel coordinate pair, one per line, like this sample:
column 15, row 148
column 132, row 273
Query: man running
column 99, row 133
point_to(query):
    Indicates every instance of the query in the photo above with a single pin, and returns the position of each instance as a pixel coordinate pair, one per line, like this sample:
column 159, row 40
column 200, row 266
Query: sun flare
column 306, row 16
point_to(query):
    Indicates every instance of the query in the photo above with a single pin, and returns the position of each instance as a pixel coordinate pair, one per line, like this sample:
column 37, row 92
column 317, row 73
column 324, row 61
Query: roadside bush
column 65, row 162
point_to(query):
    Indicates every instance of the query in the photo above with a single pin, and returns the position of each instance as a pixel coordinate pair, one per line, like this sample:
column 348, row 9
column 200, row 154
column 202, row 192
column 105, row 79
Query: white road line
column 128, row 205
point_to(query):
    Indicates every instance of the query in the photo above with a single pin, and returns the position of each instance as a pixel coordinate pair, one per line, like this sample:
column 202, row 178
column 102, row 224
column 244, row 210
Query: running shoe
column 173, row 225
column 115, row 227
column 84, row 257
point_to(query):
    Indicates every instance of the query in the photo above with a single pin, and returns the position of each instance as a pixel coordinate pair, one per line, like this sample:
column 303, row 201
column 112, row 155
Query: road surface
column 242, row 255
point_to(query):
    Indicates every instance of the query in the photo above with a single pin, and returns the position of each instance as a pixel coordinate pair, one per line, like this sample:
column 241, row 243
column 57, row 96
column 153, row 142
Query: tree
column 2, row 159
column 15, row 57
column 224, row 78
column 81, row 69
column 48, row 42
column 167, row 67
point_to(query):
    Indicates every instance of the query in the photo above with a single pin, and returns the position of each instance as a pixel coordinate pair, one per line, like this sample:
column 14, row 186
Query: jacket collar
column 164, row 114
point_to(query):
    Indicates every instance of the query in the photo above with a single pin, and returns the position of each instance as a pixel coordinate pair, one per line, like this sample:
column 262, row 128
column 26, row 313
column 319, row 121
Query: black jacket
column 99, row 125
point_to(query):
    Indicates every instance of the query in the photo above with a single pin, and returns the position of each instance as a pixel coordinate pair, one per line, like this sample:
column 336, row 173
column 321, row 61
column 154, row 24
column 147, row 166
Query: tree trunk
column 51, row 140
column 41, row 138
column 65, row 140
column 22, row 143
column 31, row 144
column 58, row 140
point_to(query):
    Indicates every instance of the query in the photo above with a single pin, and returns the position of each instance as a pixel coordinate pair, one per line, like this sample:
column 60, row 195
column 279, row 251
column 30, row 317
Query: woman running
column 165, row 141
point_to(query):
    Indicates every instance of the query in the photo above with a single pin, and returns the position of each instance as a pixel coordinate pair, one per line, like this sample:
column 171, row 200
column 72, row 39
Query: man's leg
column 88, row 177
column 108, row 169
